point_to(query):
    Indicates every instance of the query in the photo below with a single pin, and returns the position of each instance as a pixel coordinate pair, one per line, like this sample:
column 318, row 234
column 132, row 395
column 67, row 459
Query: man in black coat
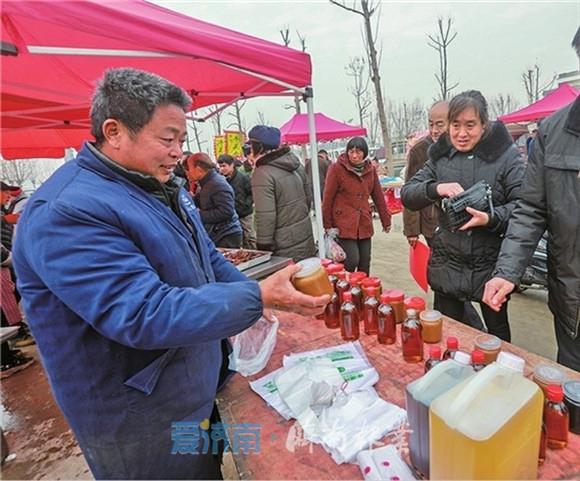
column 215, row 199
column 244, row 201
column 549, row 199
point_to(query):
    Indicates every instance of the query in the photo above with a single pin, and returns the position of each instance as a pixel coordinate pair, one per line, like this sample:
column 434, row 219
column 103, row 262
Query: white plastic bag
column 332, row 247
column 253, row 347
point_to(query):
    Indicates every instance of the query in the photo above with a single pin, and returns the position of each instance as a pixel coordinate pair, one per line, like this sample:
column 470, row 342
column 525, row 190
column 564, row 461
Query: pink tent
column 295, row 131
column 62, row 47
column 562, row 96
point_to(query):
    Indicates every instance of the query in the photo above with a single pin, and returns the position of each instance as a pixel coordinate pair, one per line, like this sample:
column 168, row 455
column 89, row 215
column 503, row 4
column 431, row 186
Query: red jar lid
column 325, row 262
column 371, row 282
column 334, row 268
column 396, row 295
column 358, row 275
column 346, row 296
column 477, row 357
column 452, row 343
column 415, row 302
column 341, row 275
column 371, row 291
column 435, row 352
column 555, row 393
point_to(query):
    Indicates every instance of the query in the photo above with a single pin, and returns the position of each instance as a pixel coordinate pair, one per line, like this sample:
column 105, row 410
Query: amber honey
column 312, row 279
column 489, row 345
column 432, row 323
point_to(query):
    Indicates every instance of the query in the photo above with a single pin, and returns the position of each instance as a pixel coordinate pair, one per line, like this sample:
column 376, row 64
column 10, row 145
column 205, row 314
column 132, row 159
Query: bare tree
column 502, row 104
column 440, row 42
column 237, row 115
column 531, row 79
column 33, row 171
column 406, row 118
column 195, row 127
column 261, row 118
column 367, row 9
column 360, row 87
column 216, row 119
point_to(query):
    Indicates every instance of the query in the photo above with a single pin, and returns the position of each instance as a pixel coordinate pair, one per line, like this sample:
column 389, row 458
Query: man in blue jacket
column 126, row 295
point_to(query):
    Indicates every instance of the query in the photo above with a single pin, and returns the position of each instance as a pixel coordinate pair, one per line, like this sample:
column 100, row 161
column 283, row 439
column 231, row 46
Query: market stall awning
column 562, row 96
column 295, row 130
column 55, row 51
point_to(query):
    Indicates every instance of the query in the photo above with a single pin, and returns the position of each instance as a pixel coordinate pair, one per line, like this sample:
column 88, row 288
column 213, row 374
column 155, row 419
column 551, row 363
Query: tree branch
column 350, row 9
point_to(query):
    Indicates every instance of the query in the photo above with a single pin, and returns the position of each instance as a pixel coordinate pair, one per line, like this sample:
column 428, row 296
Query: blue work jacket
column 128, row 310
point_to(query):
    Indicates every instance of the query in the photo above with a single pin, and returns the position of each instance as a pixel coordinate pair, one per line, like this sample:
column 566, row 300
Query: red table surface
column 283, row 456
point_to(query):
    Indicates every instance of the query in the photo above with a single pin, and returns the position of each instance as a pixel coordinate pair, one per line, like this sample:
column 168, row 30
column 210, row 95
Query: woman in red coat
column 349, row 184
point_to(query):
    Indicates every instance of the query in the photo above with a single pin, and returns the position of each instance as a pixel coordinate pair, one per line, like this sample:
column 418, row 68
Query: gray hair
column 131, row 96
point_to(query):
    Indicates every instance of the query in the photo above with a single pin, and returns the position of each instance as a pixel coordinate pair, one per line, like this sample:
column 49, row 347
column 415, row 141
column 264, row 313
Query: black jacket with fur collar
column 462, row 261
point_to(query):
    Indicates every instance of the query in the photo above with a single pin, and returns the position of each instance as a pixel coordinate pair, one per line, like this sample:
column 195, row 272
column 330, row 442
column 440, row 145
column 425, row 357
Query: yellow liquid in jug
column 510, row 453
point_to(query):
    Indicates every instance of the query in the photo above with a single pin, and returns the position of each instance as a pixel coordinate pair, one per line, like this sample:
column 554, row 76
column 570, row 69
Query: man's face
column 194, row 172
column 226, row 169
column 438, row 123
column 323, row 156
column 5, row 197
column 156, row 149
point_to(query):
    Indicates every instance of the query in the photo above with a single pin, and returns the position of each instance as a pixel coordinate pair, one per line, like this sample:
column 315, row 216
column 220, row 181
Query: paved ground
column 44, row 448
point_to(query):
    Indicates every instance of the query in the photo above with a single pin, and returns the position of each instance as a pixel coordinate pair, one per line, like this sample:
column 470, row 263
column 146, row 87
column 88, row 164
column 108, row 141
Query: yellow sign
column 234, row 142
column 219, row 145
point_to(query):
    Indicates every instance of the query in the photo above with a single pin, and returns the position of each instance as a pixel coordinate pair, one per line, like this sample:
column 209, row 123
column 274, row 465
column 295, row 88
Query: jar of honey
column 312, row 279
column 396, row 299
column 547, row 374
column 417, row 303
column 490, row 345
column 432, row 322
column 372, row 282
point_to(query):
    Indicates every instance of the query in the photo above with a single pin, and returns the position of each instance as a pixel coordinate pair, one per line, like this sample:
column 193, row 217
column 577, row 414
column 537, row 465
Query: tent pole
column 315, row 171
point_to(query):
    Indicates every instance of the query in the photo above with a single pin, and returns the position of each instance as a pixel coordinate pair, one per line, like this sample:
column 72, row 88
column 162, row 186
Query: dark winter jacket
column 462, row 261
column 323, row 166
column 242, row 186
column 217, row 207
column 346, row 200
column 282, row 199
column 425, row 221
column 550, row 198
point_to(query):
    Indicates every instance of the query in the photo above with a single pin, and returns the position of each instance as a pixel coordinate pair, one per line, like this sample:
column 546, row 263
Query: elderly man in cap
column 129, row 300
column 216, row 202
column 282, row 197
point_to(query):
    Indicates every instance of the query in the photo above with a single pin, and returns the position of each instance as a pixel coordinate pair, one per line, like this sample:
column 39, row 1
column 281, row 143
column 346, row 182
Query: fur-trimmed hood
column 282, row 158
column 489, row 148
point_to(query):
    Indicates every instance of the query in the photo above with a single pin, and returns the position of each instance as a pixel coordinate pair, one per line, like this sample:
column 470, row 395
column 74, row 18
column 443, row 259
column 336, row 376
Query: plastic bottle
column 434, row 358
column 342, row 285
column 357, row 294
column 332, row 270
column 349, row 319
column 489, row 426
column 420, row 394
column 332, row 313
column 372, row 282
column 371, row 311
column 386, row 326
column 411, row 338
column 477, row 360
column 452, row 348
column 415, row 302
column 556, row 418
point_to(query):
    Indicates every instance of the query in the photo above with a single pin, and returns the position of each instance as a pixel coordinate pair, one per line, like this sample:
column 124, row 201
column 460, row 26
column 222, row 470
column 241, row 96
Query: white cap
column 462, row 358
column 511, row 361
column 309, row 266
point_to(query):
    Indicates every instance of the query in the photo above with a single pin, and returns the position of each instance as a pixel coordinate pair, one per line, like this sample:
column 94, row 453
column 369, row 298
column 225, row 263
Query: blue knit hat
column 269, row 137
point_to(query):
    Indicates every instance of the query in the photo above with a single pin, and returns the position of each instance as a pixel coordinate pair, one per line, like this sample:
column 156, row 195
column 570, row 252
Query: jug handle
column 470, row 392
column 428, row 379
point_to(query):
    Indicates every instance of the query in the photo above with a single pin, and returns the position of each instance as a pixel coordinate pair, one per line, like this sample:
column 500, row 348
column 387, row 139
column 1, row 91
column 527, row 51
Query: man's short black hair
column 225, row 159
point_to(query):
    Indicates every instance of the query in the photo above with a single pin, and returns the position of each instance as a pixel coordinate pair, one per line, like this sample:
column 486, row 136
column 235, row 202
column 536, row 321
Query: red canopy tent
column 63, row 47
column 562, row 96
column 295, row 130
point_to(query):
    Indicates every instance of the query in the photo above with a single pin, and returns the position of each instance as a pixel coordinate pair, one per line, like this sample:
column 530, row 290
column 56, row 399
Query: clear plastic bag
column 332, row 247
column 253, row 347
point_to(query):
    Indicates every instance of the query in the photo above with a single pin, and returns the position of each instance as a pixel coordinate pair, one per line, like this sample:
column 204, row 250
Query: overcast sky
column 496, row 42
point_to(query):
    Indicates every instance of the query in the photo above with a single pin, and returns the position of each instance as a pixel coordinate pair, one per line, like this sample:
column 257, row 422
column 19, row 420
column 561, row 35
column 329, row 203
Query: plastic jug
column 488, row 427
column 420, row 395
